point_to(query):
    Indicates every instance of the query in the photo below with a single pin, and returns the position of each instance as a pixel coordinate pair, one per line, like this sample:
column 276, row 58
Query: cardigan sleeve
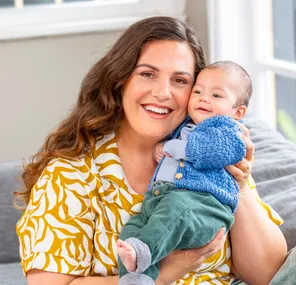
column 175, row 148
column 215, row 143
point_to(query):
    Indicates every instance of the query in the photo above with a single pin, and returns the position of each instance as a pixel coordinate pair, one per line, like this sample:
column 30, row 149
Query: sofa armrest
column 274, row 171
column 9, row 246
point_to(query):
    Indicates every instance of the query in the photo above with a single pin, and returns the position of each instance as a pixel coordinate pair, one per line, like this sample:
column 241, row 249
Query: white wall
column 40, row 79
column 196, row 11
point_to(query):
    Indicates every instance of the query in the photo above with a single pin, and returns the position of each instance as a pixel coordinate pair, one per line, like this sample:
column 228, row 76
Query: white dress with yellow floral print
column 76, row 211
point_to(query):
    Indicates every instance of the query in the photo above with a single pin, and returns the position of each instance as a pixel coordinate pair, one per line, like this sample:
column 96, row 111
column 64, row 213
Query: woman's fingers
column 200, row 254
column 216, row 244
column 235, row 172
column 249, row 145
column 241, row 170
column 179, row 262
column 244, row 129
column 245, row 166
column 250, row 148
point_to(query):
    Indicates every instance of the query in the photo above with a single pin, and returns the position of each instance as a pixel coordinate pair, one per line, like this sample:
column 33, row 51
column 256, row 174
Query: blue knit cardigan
column 213, row 144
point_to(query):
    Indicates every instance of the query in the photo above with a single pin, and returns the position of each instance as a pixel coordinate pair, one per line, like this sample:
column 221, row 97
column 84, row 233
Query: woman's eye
column 215, row 95
column 147, row 74
column 181, row 81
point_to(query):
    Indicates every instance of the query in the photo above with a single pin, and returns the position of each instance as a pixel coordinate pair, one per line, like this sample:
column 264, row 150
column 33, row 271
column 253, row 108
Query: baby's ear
column 240, row 112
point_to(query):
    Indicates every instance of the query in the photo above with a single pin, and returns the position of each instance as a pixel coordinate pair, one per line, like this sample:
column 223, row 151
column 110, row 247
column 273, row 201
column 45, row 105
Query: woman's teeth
column 156, row 110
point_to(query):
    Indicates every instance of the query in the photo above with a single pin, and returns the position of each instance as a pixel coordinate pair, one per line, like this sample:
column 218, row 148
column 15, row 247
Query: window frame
column 242, row 31
column 81, row 17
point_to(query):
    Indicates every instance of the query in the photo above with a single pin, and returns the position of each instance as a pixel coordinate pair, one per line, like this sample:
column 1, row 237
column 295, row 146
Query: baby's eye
column 215, row 95
column 197, row 92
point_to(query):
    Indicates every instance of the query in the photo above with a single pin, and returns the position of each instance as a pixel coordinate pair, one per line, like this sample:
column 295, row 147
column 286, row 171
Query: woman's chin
column 146, row 131
column 155, row 134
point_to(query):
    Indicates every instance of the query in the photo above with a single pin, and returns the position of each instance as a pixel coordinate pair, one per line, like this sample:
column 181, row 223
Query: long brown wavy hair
column 98, row 110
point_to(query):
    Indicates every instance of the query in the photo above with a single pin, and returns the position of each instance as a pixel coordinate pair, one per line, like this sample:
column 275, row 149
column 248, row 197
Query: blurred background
column 47, row 46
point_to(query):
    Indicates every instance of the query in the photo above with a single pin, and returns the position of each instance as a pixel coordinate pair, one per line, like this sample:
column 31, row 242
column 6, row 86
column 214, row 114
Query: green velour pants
column 174, row 218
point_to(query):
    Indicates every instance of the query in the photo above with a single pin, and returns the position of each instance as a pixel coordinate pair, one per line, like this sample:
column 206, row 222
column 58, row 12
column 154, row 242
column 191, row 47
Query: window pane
column 284, row 29
column 286, row 106
column 69, row 1
column 6, row 3
column 37, row 2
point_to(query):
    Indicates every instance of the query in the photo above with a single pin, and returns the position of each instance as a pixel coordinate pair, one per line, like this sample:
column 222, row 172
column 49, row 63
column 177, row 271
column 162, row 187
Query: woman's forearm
column 95, row 280
column 37, row 277
column 258, row 245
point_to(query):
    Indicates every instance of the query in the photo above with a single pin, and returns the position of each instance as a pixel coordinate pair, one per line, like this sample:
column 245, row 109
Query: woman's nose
column 161, row 92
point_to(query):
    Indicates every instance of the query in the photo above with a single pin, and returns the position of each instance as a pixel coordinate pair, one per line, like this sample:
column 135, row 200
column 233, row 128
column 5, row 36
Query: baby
column 191, row 195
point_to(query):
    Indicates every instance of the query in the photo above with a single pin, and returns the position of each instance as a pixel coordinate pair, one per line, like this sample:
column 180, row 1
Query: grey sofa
column 10, row 269
column 274, row 171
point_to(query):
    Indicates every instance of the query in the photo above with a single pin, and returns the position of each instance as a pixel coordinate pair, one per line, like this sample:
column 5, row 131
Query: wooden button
column 157, row 192
column 179, row 175
column 181, row 164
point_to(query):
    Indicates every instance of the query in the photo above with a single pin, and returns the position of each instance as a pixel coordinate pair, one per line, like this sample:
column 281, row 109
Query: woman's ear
column 240, row 112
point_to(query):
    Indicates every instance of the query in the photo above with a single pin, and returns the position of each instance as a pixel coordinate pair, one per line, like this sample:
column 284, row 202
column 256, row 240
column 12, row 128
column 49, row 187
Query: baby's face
column 214, row 93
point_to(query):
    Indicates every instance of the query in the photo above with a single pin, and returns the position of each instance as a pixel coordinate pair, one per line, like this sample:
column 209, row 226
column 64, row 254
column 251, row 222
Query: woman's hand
column 242, row 170
column 255, row 239
column 180, row 262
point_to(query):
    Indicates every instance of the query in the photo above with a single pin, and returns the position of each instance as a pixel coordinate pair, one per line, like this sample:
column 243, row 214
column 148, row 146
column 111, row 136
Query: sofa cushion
column 274, row 171
column 9, row 246
column 11, row 274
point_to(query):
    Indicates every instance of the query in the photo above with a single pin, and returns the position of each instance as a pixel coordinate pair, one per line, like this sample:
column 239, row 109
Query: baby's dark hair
column 246, row 87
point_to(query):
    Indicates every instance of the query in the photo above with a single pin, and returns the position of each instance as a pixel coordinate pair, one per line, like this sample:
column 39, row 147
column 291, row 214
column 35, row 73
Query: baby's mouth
column 203, row 109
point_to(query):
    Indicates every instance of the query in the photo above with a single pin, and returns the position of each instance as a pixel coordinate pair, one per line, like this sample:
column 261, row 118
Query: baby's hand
column 158, row 152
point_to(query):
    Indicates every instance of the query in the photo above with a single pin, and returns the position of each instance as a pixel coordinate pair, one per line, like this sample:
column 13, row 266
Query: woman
column 90, row 176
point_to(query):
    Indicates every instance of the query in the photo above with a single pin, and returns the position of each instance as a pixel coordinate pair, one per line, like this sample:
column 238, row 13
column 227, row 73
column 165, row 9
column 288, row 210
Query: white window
column 261, row 36
column 31, row 18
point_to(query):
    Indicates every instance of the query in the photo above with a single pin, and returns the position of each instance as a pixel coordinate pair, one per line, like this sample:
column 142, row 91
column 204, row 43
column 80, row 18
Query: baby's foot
column 127, row 255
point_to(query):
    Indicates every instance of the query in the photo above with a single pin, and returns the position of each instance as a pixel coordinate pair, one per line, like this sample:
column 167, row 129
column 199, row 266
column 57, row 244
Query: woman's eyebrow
column 157, row 69
column 147, row 65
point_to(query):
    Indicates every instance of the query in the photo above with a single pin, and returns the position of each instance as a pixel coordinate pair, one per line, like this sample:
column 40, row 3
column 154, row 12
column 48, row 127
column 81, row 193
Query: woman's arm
column 258, row 245
column 174, row 266
column 95, row 280
column 41, row 277
column 180, row 262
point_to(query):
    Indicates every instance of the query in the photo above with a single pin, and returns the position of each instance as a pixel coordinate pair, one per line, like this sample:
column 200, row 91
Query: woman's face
column 156, row 95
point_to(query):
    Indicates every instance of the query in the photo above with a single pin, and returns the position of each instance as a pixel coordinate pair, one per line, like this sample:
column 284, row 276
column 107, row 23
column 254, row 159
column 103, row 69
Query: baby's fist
column 158, row 152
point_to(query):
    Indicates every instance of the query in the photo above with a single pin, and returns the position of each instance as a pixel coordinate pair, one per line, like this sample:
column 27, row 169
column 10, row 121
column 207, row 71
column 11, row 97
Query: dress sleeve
column 272, row 214
column 56, row 230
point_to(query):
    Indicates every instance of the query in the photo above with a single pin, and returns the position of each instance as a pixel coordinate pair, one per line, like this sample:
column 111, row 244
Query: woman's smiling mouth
column 160, row 110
